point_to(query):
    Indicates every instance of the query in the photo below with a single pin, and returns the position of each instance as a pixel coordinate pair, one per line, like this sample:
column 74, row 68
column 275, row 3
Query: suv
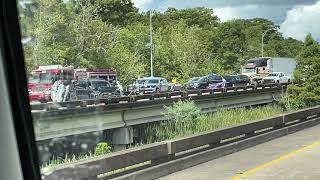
column 216, row 81
column 99, row 88
column 212, row 81
column 150, row 85
column 243, row 79
column 231, row 81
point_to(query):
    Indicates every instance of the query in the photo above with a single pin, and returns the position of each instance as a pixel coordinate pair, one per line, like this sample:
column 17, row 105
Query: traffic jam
column 55, row 83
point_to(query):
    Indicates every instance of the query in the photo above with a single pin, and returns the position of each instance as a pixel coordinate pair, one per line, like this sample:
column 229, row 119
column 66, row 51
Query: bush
column 182, row 111
column 102, row 148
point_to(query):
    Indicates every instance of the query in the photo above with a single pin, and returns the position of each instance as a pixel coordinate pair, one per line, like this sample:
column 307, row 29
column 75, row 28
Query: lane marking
column 286, row 156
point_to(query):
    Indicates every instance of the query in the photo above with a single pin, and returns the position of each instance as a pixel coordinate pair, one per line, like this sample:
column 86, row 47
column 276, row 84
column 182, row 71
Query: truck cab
column 257, row 68
column 42, row 79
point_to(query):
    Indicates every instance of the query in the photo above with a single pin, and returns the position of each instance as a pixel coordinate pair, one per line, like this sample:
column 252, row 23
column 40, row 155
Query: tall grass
column 182, row 123
column 100, row 149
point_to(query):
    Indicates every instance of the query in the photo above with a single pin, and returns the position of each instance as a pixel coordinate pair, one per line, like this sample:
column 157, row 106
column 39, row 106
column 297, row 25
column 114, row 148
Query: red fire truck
column 42, row 79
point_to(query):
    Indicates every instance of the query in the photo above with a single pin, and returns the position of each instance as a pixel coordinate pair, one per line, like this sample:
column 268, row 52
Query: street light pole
column 262, row 36
column 151, row 46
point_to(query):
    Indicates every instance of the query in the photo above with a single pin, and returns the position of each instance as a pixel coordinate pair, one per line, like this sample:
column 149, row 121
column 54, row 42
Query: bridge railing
column 151, row 97
column 168, row 150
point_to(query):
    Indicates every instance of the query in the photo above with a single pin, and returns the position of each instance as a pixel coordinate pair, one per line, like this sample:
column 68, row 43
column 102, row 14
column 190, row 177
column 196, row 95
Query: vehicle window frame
column 14, row 67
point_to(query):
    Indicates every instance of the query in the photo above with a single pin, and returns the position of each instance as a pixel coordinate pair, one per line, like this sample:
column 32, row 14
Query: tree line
column 113, row 33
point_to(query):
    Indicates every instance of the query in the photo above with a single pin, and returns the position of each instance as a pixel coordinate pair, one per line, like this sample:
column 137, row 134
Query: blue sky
column 295, row 17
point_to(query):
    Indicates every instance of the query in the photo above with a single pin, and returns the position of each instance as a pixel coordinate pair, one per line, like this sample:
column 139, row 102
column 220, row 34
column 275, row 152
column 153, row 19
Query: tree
column 306, row 90
column 180, row 52
column 51, row 33
column 116, row 12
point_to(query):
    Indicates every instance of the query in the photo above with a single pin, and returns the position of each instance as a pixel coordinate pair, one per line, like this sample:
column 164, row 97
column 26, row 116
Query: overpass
column 66, row 128
column 78, row 117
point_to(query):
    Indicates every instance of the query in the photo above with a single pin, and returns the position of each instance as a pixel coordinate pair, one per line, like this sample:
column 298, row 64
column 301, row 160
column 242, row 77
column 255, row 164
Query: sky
column 296, row 18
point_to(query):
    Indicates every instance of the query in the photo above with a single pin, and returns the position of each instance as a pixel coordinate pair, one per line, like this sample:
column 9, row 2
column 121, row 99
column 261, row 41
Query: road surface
column 294, row 157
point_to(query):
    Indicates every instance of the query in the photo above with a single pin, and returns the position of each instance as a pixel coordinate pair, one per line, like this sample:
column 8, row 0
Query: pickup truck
column 276, row 77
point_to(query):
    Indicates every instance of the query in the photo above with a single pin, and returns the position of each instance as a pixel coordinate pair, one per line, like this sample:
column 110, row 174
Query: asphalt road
column 293, row 157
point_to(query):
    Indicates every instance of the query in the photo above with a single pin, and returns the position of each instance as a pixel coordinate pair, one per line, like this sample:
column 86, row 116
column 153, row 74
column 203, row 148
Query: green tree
column 116, row 12
column 52, row 35
column 306, row 90
column 181, row 53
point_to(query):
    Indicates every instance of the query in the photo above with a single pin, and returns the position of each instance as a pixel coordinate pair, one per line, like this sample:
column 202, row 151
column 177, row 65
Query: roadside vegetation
column 100, row 149
column 305, row 90
column 185, row 118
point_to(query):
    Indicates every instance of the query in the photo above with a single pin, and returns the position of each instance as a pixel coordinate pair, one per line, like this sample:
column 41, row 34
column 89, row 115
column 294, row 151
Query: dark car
column 203, row 83
column 193, row 83
column 231, row 80
column 216, row 81
column 244, row 79
column 98, row 88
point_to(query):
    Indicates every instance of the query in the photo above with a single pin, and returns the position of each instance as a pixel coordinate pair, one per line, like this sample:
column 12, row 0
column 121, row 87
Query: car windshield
column 273, row 74
column 39, row 78
column 228, row 78
column 203, row 79
column 141, row 81
column 248, row 70
column 194, row 80
column 153, row 81
column 97, row 84
column 243, row 76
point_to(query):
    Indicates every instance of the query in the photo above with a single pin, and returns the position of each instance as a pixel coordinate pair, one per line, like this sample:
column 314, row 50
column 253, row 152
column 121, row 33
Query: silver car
column 150, row 85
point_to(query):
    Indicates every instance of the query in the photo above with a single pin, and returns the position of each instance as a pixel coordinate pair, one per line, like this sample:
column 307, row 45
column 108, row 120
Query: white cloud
column 142, row 4
column 275, row 13
column 302, row 20
column 229, row 13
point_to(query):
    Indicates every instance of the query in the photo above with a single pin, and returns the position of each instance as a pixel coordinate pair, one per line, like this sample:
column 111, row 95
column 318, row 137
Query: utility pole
column 151, row 45
column 262, row 36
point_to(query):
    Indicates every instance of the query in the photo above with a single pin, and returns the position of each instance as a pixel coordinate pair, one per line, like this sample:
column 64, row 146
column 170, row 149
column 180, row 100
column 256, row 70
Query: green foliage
column 306, row 88
column 116, row 12
column 102, row 148
column 182, row 111
column 202, row 122
column 112, row 33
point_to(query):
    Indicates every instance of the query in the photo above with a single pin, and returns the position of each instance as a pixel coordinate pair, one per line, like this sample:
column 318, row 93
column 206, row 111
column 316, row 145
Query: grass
column 221, row 119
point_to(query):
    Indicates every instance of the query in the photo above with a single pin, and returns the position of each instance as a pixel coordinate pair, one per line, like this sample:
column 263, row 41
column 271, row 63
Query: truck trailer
column 258, row 68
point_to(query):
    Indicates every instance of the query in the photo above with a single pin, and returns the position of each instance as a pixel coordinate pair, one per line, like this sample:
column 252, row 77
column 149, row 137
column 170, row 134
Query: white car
column 276, row 77
column 150, row 84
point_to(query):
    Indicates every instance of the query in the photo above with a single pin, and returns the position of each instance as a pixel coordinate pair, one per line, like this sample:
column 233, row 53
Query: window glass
column 153, row 81
column 94, row 68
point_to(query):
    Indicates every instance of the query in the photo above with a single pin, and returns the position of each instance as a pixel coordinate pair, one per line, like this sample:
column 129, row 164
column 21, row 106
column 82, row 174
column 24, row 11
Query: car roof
column 147, row 78
column 152, row 77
